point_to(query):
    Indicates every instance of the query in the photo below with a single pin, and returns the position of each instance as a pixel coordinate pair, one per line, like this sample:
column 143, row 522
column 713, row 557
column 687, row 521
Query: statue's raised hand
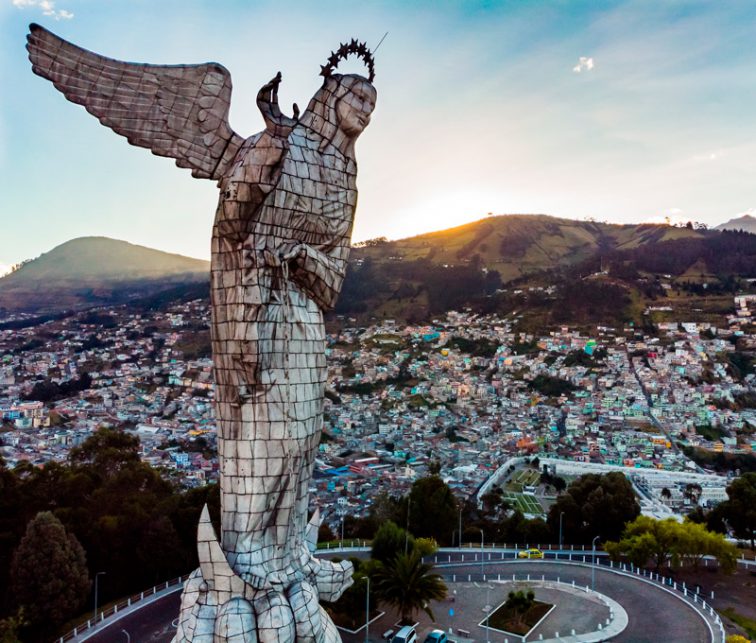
column 276, row 123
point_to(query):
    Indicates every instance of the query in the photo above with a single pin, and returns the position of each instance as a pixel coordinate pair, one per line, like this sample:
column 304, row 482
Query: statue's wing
column 180, row 111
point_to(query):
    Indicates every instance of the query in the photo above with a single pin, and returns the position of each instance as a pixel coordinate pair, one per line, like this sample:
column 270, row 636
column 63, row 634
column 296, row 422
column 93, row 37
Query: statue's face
column 354, row 109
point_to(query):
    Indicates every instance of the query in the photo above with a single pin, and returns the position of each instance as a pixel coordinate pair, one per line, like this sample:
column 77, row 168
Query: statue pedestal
column 217, row 605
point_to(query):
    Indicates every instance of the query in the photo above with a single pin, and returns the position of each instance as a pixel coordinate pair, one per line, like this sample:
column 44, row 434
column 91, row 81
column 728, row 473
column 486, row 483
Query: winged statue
column 279, row 251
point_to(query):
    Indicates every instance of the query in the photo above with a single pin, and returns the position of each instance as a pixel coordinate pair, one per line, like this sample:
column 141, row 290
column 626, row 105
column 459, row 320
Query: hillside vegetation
column 552, row 271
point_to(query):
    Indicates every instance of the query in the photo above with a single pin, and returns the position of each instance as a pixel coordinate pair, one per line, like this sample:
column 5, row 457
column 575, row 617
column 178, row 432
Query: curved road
column 151, row 624
column 654, row 614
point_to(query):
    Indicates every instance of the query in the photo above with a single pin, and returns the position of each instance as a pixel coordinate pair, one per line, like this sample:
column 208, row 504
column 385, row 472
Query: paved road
column 654, row 615
column 151, row 624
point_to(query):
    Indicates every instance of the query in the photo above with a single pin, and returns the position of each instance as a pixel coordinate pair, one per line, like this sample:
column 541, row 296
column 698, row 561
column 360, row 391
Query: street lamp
column 593, row 566
column 460, row 526
column 488, row 613
column 97, row 578
column 406, row 531
column 561, row 515
column 128, row 636
column 482, row 564
column 367, row 610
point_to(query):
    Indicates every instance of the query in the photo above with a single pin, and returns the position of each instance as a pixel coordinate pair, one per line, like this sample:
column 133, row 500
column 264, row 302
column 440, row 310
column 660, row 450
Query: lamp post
column 593, row 565
column 128, row 636
column 342, row 530
column 97, row 578
column 561, row 515
column 367, row 610
column 460, row 526
column 406, row 531
column 488, row 614
column 482, row 564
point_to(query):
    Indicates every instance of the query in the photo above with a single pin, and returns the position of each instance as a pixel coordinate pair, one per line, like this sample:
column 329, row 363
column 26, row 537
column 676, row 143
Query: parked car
column 530, row 553
column 406, row 635
column 436, row 636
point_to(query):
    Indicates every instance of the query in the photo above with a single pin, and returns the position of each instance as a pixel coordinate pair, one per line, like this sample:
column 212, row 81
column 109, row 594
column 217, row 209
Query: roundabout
column 573, row 612
column 653, row 612
column 645, row 610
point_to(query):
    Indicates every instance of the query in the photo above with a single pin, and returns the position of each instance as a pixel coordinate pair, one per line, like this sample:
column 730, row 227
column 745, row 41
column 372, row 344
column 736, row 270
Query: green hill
column 521, row 244
column 552, row 271
column 95, row 270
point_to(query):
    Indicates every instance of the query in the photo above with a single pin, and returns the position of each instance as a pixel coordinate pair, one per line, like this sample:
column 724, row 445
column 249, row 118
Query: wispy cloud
column 584, row 64
column 46, row 6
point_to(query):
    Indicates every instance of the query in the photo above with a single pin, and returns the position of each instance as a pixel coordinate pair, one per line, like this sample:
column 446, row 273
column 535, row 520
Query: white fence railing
column 119, row 607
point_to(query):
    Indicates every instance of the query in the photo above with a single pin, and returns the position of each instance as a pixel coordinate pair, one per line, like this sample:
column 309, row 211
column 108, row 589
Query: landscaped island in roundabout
column 551, row 609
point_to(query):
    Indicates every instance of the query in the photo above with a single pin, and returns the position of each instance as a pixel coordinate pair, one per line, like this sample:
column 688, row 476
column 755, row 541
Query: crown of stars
column 359, row 49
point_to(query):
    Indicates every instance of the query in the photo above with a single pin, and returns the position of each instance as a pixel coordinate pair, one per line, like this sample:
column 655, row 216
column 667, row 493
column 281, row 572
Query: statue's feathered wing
column 179, row 111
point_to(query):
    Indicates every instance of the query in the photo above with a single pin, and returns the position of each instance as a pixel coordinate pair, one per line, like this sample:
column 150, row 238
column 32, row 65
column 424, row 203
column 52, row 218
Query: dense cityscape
column 463, row 395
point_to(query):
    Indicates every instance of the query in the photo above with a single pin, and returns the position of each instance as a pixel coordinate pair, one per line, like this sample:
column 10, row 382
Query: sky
column 621, row 111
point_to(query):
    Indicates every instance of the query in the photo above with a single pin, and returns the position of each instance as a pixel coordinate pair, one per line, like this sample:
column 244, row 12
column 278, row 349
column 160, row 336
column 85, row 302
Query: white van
column 406, row 635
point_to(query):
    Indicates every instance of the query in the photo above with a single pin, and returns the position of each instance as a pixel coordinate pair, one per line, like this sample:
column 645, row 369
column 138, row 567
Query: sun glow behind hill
column 442, row 212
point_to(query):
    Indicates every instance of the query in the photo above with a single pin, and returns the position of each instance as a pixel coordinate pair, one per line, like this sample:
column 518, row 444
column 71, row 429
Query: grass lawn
column 748, row 624
column 526, row 504
column 503, row 618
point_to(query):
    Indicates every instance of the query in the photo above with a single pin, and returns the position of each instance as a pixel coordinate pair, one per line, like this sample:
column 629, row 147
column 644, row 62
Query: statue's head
column 354, row 108
column 340, row 110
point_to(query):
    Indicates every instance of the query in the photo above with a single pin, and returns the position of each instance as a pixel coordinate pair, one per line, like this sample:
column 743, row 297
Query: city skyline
column 625, row 112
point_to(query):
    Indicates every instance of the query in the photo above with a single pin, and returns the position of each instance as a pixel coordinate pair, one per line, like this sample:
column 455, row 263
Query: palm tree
column 407, row 583
column 520, row 603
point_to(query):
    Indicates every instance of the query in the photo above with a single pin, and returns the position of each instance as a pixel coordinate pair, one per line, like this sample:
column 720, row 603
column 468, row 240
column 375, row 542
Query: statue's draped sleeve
column 179, row 111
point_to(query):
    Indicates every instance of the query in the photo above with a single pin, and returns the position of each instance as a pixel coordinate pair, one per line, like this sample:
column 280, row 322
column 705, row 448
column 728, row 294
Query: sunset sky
column 621, row 111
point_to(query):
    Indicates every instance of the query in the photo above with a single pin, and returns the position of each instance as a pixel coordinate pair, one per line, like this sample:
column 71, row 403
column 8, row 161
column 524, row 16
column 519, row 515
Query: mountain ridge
column 87, row 271
column 746, row 223
column 470, row 264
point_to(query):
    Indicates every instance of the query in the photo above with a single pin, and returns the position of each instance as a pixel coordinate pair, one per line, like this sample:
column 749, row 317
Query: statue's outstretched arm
column 179, row 111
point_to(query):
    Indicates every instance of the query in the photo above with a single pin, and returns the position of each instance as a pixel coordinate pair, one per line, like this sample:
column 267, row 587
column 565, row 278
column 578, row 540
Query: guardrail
column 119, row 607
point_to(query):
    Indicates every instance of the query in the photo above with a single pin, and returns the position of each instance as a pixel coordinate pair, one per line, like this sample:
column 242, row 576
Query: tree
column 426, row 546
column 519, row 603
column 49, row 572
column 671, row 543
column 10, row 627
column 108, row 450
column 595, row 505
column 433, row 509
column 695, row 542
column 693, row 492
column 391, row 540
column 325, row 534
column 740, row 509
column 666, row 493
column 408, row 584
